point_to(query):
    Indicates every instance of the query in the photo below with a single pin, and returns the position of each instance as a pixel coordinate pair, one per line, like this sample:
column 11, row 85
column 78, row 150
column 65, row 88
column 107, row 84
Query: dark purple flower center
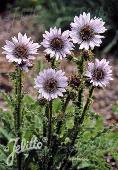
column 57, row 44
column 98, row 74
column 86, row 33
column 50, row 85
column 21, row 52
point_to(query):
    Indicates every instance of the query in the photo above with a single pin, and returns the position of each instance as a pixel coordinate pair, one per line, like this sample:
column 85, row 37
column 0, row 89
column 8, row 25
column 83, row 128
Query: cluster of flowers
column 85, row 32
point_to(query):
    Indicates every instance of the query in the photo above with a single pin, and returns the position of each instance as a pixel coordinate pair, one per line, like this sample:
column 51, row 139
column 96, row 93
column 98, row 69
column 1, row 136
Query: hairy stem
column 59, row 123
column 45, row 127
column 18, row 91
column 80, row 122
column 76, row 129
column 55, row 143
column 49, row 122
column 80, row 93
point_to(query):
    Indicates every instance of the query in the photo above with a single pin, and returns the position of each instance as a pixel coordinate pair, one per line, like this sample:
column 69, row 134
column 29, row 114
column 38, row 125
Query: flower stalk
column 59, row 123
column 80, row 121
column 49, row 122
column 80, row 93
column 18, row 91
column 76, row 129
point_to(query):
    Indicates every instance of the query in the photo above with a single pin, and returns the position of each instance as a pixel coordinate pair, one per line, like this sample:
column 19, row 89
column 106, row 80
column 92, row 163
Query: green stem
column 18, row 91
column 78, row 123
column 76, row 129
column 54, row 144
column 45, row 127
column 59, row 123
column 86, row 107
column 80, row 93
column 79, row 103
column 49, row 122
column 49, row 134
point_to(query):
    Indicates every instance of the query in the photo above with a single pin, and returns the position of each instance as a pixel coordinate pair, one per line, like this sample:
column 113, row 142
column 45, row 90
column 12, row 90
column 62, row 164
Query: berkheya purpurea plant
column 58, row 95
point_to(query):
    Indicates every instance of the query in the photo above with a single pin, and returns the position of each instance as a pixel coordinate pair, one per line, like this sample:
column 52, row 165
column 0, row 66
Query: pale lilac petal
column 58, row 53
column 99, row 65
column 21, row 41
column 46, row 75
column 96, row 25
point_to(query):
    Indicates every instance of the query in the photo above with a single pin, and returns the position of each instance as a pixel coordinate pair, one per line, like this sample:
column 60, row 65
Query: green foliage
column 32, row 118
column 94, row 141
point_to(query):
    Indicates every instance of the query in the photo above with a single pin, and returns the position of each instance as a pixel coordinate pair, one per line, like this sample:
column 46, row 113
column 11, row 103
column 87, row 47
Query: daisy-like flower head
column 86, row 31
column 20, row 49
column 57, row 44
column 51, row 83
column 99, row 72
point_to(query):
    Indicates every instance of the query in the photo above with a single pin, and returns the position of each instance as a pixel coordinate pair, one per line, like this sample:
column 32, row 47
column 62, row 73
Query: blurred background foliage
column 61, row 12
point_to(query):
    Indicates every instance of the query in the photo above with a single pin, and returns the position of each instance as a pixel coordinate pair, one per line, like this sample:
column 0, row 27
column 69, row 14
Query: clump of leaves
column 94, row 141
